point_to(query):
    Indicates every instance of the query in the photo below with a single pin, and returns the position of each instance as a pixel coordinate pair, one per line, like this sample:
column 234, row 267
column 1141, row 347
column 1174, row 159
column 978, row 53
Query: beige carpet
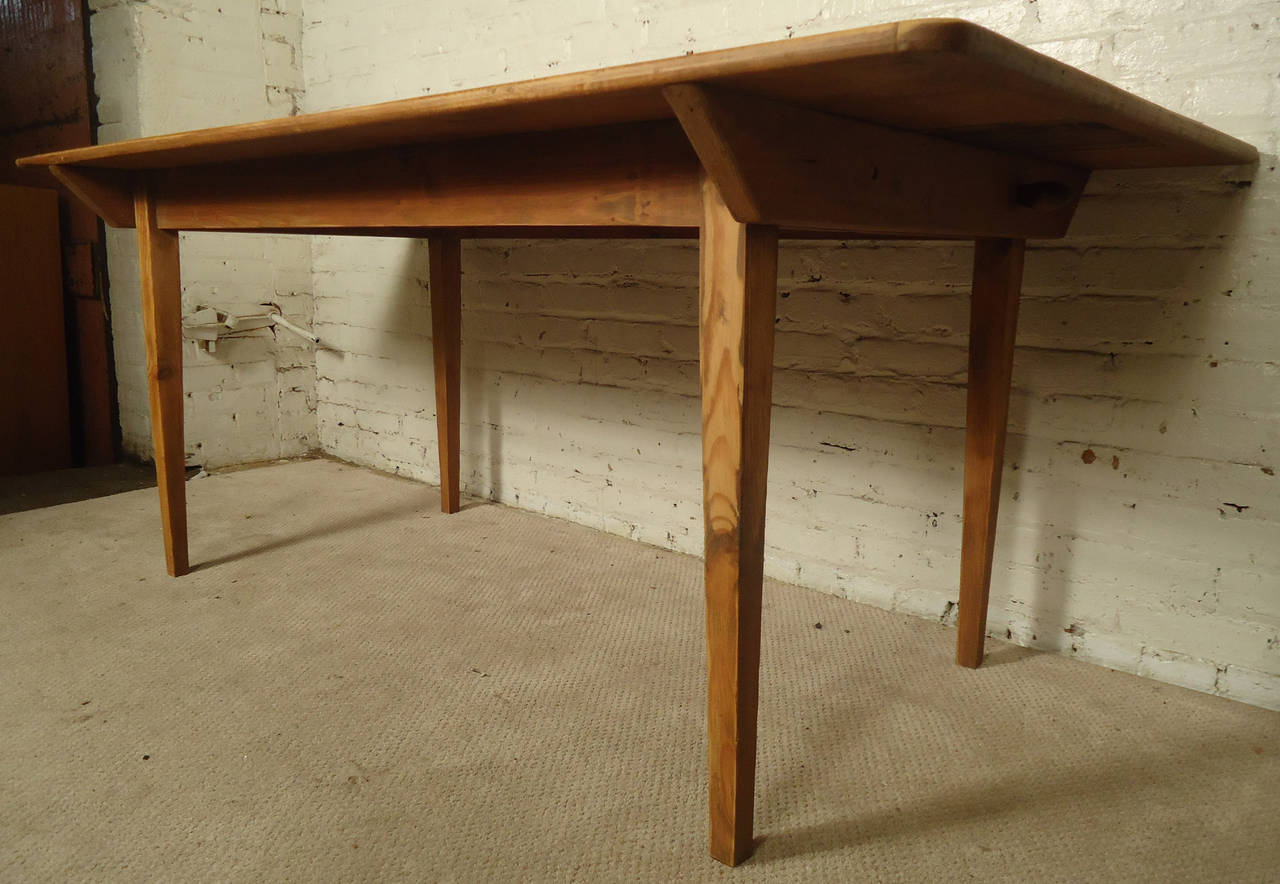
column 355, row 687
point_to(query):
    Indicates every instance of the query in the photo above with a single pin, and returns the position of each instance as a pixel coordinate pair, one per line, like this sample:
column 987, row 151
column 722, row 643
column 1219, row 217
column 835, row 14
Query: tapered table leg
column 446, row 342
column 993, row 320
column 738, row 293
column 162, row 329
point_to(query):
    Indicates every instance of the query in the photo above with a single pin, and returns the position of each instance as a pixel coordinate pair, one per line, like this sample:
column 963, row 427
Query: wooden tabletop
column 943, row 77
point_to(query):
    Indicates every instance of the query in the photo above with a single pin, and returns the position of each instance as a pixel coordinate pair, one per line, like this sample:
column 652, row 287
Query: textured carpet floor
column 354, row 687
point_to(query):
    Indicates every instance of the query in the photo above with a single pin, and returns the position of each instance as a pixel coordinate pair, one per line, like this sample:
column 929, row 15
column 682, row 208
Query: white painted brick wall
column 170, row 65
column 1147, row 342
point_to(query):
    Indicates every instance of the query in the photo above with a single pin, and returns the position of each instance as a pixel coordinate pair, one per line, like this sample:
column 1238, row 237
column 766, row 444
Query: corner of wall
column 254, row 399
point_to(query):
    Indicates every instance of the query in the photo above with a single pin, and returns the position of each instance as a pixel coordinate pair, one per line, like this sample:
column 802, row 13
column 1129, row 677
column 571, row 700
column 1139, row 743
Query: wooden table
column 931, row 129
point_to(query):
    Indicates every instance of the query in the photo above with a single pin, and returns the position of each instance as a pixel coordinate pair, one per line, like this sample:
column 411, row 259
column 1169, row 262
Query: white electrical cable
column 281, row 321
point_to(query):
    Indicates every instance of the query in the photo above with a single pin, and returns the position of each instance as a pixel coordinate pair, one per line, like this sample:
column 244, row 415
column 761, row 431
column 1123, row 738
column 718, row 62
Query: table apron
column 634, row 175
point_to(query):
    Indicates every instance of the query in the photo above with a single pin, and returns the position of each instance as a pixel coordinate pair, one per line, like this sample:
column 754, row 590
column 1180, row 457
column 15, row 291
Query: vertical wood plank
column 738, row 293
column 993, row 320
column 162, row 329
column 445, row 284
column 35, row 416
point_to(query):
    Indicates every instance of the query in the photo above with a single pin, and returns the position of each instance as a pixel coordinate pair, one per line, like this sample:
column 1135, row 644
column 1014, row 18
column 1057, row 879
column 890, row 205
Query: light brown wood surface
column 739, row 269
column 993, row 323
column 940, row 76
column 789, row 166
column 642, row 174
column 108, row 193
column 445, row 291
column 162, row 330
